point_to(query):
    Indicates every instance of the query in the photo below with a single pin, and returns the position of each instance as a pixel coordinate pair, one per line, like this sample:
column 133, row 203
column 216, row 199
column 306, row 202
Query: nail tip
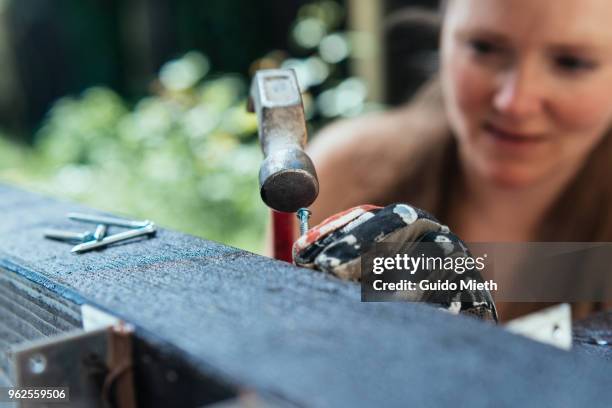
column 77, row 248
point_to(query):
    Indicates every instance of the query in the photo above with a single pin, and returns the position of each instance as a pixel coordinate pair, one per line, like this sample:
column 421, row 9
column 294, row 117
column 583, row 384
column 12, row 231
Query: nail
column 303, row 215
column 111, row 239
column 70, row 236
column 100, row 232
column 100, row 219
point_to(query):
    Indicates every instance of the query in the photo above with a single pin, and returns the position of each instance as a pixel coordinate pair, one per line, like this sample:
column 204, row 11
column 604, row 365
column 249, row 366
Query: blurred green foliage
column 187, row 155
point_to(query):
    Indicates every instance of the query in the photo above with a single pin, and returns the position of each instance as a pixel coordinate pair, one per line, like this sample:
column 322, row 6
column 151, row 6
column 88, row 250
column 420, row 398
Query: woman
column 513, row 142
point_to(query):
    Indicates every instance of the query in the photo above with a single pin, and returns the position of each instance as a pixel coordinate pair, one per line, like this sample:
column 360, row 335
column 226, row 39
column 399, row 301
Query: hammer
column 287, row 177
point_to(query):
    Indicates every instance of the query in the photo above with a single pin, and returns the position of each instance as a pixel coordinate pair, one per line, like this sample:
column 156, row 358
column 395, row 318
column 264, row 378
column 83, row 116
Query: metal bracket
column 552, row 326
column 96, row 367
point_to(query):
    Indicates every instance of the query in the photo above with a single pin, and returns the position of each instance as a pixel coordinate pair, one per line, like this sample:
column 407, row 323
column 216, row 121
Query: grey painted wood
column 292, row 332
column 30, row 312
column 589, row 331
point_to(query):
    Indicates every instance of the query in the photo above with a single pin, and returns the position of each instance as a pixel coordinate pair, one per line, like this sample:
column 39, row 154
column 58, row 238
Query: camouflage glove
column 336, row 245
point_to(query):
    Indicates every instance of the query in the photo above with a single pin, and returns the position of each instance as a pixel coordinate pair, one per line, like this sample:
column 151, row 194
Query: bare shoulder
column 359, row 160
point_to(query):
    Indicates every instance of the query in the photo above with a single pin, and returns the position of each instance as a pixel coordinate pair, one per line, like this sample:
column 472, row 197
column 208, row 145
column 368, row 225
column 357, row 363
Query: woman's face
column 528, row 84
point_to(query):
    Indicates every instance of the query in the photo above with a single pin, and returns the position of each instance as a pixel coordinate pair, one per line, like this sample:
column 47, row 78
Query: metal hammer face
column 287, row 177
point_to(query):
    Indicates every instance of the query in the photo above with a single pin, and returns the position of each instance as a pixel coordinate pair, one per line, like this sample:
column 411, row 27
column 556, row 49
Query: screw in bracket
column 37, row 363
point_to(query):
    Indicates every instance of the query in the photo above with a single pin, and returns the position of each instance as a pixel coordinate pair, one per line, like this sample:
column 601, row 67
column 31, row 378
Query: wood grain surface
column 265, row 325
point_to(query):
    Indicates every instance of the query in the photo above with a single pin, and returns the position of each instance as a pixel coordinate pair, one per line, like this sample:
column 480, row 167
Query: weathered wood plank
column 29, row 312
column 591, row 331
column 294, row 333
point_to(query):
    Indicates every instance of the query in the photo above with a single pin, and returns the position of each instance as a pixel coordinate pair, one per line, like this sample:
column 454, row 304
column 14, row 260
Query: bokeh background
column 138, row 106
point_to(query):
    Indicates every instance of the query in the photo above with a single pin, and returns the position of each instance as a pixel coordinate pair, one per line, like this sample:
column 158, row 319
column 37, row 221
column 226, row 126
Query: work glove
column 337, row 244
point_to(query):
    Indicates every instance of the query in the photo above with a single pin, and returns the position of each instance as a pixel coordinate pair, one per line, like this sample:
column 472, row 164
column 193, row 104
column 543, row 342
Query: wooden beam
column 235, row 320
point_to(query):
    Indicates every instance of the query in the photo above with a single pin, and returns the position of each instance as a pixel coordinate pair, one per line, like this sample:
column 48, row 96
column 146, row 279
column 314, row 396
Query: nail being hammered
column 303, row 215
column 149, row 229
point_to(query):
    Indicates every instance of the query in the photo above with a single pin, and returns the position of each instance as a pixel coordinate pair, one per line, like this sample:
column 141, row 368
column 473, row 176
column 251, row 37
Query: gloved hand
column 336, row 245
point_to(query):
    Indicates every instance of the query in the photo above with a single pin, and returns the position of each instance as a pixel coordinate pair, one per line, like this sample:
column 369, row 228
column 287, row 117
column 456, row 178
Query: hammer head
column 288, row 180
column 287, row 177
